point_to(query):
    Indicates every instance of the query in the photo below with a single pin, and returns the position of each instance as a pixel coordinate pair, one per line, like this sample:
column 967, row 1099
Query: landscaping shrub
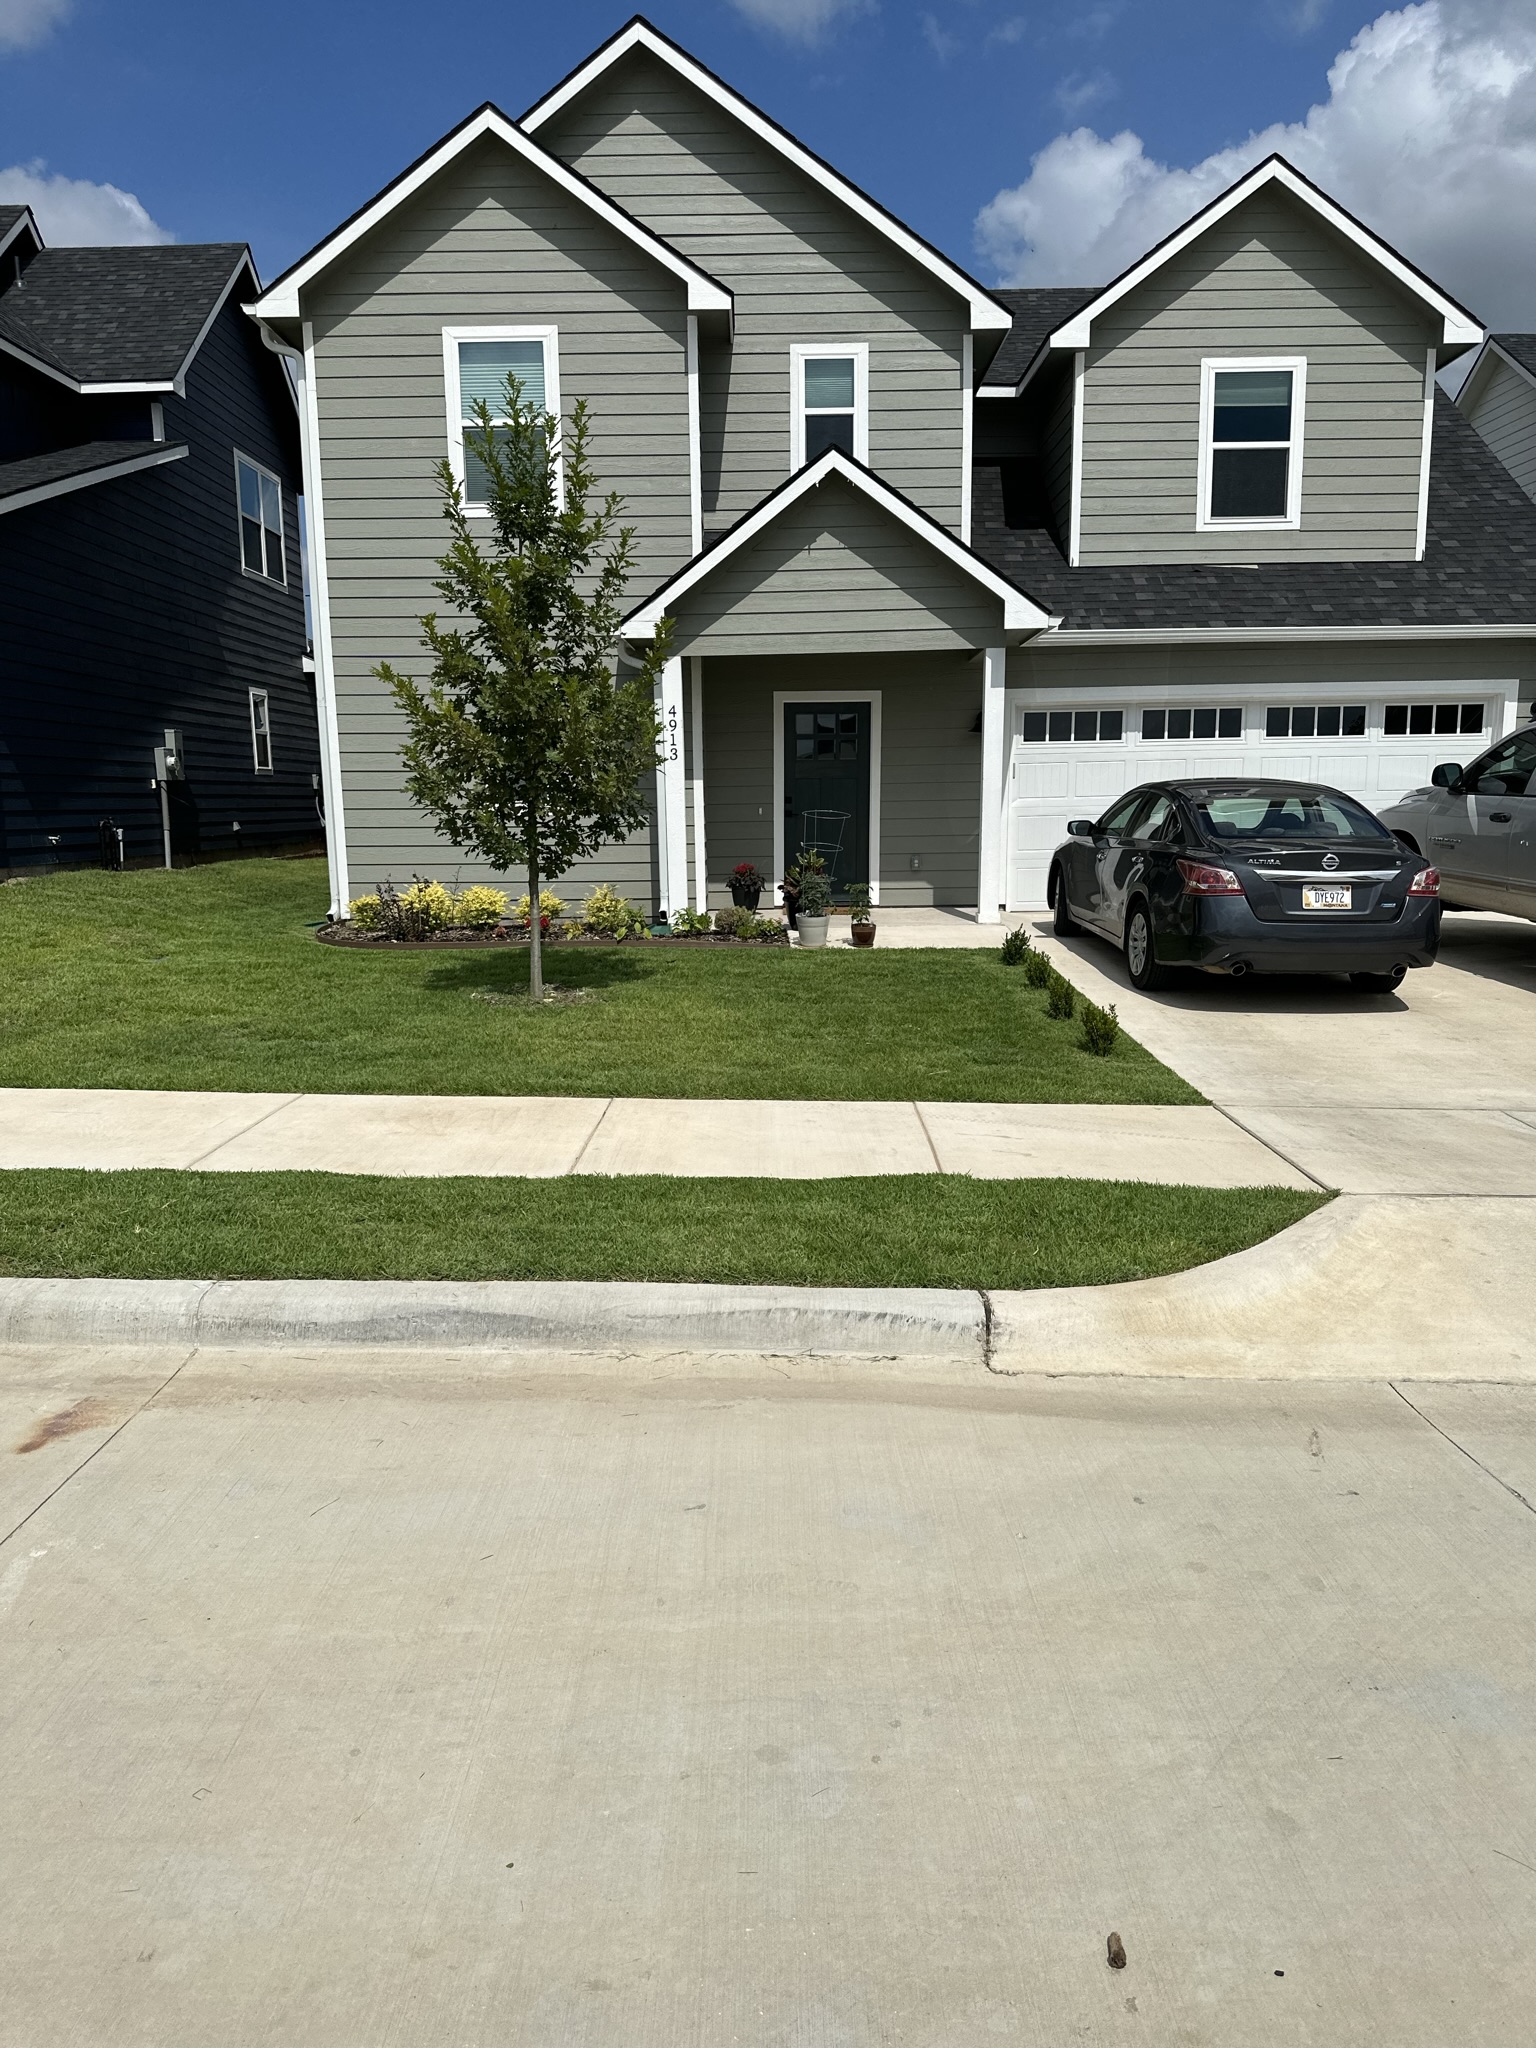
column 481, row 907
column 689, row 923
column 1060, row 996
column 424, row 908
column 736, row 922
column 1016, row 947
column 364, row 913
column 549, row 906
column 1037, row 969
column 1100, row 1029
column 608, row 915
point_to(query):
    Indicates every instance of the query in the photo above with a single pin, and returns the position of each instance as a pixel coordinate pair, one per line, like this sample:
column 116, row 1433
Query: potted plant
column 813, row 906
column 746, row 885
column 861, row 926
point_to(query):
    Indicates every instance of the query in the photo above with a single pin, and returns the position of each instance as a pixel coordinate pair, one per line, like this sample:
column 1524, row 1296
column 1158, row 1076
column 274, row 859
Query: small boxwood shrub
column 480, row 907
column 1016, row 947
column 1100, row 1029
column 1060, row 996
column 1037, row 969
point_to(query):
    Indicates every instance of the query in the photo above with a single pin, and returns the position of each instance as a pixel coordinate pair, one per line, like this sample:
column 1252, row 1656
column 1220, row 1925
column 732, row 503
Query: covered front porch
column 838, row 683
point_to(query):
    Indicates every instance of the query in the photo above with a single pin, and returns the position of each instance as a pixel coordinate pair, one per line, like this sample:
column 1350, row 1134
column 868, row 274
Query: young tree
column 525, row 745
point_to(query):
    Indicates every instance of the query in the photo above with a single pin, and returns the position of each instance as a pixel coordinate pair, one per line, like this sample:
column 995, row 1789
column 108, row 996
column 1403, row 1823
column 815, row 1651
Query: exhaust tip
column 1238, row 969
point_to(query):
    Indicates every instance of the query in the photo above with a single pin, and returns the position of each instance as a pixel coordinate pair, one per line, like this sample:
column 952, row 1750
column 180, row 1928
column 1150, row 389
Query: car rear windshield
column 1237, row 815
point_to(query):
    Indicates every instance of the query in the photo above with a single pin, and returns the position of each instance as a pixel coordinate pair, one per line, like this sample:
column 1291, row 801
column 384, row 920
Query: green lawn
column 903, row 1230
column 211, row 977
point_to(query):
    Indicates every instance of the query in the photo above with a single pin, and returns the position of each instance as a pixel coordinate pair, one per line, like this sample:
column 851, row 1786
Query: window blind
column 485, row 366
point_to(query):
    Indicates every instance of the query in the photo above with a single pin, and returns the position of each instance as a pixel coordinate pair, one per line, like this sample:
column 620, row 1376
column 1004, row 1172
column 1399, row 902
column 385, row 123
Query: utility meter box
column 175, row 764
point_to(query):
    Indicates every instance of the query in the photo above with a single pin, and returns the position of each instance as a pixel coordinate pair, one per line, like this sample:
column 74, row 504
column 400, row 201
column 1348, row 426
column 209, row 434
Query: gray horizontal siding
column 803, row 267
column 930, row 769
column 490, row 241
column 1504, row 413
column 833, row 573
column 1267, row 280
column 1322, row 666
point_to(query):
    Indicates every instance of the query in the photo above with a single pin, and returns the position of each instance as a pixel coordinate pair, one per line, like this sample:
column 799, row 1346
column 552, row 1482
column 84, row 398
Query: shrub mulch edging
column 502, row 935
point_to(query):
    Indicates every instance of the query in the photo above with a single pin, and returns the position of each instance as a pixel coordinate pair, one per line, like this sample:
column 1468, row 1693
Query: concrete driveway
column 356, row 1700
column 1429, row 1091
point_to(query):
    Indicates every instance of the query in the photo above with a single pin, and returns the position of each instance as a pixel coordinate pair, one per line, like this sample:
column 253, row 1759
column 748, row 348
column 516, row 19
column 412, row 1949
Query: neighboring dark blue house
column 149, row 557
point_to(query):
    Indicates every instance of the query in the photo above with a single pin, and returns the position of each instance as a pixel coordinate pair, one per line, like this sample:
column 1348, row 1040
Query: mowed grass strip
column 898, row 1230
column 212, row 977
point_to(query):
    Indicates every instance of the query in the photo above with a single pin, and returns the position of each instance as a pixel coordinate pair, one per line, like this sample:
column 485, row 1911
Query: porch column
column 671, row 790
column 696, row 742
column 989, row 879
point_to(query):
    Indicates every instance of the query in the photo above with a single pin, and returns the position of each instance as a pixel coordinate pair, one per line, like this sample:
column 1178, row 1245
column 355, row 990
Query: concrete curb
column 497, row 1314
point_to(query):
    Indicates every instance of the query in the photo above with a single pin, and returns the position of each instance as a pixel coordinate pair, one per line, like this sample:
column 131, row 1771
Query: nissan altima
column 1248, row 878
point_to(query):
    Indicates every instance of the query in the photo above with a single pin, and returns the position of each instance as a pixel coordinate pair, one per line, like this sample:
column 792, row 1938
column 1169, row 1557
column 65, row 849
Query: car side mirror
column 1080, row 828
column 1447, row 775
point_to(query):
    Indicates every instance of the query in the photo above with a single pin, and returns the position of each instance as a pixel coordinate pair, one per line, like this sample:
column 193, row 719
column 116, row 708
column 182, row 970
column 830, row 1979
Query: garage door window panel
column 1055, row 728
column 1417, row 719
column 1315, row 721
column 1197, row 722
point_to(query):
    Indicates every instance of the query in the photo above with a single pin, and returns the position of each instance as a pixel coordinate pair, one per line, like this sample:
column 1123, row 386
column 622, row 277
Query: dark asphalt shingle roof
column 60, row 464
column 1521, row 346
column 9, row 215
column 1037, row 313
column 1479, row 565
column 117, row 316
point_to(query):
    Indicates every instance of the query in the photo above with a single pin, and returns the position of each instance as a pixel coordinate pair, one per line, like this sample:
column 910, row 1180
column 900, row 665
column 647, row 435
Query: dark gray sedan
column 1248, row 877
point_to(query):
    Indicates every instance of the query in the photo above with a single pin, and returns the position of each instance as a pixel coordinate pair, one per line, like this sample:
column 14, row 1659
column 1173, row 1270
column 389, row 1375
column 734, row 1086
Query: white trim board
column 1458, row 329
column 320, row 610
column 1020, row 613
column 1484, row 362
column 157, row 452
column 986, row 315
column 280, row 301
column 872, row 699
column 22, row 224
column 549, row 338
column 1186, row 636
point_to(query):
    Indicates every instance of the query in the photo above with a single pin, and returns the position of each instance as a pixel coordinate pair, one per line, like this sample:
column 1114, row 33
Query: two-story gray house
column 946, row 565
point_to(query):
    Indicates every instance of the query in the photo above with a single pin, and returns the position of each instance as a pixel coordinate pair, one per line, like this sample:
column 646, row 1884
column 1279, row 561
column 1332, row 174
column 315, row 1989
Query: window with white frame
column 484, row 364
column 259, row 497
column 1251, row 415
column 829, row 400
column 261, row 733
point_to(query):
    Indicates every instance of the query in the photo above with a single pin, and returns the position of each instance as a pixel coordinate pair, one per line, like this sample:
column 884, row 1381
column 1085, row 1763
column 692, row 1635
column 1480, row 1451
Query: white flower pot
column 812, row 930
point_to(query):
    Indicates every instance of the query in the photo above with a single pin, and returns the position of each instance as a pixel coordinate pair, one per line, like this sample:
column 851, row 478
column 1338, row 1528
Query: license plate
column 1327, row 896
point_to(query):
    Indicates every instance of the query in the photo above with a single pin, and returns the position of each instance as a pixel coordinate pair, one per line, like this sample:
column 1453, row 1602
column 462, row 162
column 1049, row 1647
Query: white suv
column 1478, row 826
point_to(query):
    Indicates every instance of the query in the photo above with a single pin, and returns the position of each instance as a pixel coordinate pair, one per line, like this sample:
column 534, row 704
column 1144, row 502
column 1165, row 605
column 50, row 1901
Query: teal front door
column 826, row 788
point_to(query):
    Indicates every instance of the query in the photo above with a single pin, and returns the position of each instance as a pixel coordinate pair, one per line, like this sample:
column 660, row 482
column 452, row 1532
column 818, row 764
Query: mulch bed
column 338, row 935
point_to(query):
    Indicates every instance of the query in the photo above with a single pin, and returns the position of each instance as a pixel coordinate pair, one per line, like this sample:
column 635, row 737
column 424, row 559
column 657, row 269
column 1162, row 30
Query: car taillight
column 1202, row 879
column 1425, row 883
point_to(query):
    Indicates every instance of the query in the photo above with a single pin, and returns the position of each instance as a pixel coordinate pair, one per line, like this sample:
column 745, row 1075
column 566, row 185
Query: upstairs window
column 829, row 405
column 478, row 364
column 1250, row 435
column 261, row 733
column 259, row 496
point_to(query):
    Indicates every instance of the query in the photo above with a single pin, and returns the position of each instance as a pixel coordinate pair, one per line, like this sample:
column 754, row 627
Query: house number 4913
column 673, row 728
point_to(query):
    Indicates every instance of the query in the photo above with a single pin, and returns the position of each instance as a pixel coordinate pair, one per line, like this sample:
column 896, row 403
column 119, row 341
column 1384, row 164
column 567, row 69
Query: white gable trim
column 155, row 453
column 281, row 299
column 986, row 315
column 1483, row 365
column 23, row 224
column 1458, row 328
column 1020, row 613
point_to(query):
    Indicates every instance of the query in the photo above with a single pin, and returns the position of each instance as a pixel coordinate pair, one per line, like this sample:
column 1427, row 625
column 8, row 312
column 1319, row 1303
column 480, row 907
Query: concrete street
column 367, row 1699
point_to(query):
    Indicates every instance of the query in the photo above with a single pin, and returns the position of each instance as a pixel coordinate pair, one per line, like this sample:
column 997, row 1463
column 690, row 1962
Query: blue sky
column 1074, row 133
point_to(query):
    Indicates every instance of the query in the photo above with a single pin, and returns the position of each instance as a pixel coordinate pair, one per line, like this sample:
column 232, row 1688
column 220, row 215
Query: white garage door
column 1070, row 759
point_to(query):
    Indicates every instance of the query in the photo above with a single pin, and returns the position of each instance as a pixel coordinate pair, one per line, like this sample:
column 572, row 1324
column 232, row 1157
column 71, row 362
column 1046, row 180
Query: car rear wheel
column 1378, row 984
column 1065, row 925
column 1141, row 962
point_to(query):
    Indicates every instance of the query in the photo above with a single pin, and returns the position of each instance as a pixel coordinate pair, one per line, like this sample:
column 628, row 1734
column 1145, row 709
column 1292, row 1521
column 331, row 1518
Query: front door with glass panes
column 826, row 788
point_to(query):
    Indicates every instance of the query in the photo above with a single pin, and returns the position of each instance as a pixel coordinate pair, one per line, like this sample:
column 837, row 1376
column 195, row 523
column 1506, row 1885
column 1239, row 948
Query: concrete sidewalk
column 542, row 1136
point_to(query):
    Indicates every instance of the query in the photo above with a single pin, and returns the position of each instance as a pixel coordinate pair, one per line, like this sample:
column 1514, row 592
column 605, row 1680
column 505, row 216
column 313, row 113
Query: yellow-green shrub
column 481, row 907
column 427, row 907
column 608, row 915
column 364, row 913
column 549, row 905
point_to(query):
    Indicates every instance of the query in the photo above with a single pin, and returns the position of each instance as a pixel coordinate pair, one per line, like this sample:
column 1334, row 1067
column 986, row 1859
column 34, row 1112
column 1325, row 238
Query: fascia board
column 1185, row 636
column 128, row 467
column 1020, row 612
column 24, row 224
column 281, row 299
column 1458, row 328
column 244, row 267
column 123, row 390
column 986, row 315
column 32, row 362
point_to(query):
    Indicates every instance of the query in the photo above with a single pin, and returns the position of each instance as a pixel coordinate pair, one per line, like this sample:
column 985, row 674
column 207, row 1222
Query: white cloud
column 1075, row 94
column 1428, row 134
column 803, row 21
column 26, row 22
column 72, row 211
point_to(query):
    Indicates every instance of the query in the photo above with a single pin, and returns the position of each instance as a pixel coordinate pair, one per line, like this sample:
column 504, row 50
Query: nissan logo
column 1330, row 860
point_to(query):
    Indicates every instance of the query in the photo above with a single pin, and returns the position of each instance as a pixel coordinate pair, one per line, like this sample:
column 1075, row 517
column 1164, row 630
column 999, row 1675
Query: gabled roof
column 36, row 477
column 1020, row 612
column 1036, row 313
column 16, row 221
column 119, row 319
column 1477, row 577
column 280, row 301
column 987, row 316
column 1458, row 328
column 1517, row 350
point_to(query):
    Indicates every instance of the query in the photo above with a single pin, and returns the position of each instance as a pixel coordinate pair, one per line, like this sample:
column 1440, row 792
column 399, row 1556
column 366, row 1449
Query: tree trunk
column 535, row 934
